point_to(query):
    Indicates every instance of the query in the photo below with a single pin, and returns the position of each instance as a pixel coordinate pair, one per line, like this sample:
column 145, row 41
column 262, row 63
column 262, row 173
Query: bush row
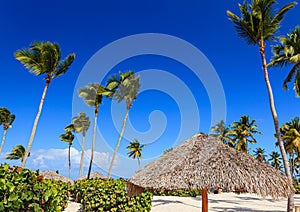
column 109, row 195
column 25, row 190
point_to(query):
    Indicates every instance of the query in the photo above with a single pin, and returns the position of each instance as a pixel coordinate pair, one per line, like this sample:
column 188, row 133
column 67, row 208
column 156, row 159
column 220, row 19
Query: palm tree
column 222, row 132
column 260, row 155
column 6, row 119
column 275, row 160
column 242, row 133
column 92, row 99
column 43, row 58
column 135, row 150
column 258, row 24
column 68, row 137
column 127, row 87
column 287, row 52
column 81, row 125
column 290, row 132
column 16, row 153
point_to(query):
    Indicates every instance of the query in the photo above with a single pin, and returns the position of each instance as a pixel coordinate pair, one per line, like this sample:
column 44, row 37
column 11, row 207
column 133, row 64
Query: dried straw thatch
column 54, row 176
column 203, row 162
column 93, row 176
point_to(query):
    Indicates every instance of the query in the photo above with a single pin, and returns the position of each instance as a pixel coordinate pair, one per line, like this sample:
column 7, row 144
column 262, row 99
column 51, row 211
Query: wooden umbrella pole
column 204, row 200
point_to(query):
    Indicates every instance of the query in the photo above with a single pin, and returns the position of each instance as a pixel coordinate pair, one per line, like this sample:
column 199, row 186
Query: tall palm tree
column 6, row 119
column 81, row 125
column 242, row 133
column 68, row 137
column 16, row 153
column 222, row 132
column 127, row 89
column 92, row 99
column 287, row 52
column 275, row 160
column 43, row 58
column 135, row 150
column 258, row 23
column 260, row 155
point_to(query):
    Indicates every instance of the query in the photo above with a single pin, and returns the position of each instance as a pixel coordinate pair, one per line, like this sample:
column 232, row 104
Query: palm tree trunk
column 35, row 123
column 3, row 139
column 69, row 159
column 290, row 205
column 93, row 143
column 82, row 157
column 119, row 142
column 139, row 163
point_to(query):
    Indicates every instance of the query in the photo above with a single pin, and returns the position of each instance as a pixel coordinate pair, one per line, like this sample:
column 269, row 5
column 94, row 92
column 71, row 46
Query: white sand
column 220, row 202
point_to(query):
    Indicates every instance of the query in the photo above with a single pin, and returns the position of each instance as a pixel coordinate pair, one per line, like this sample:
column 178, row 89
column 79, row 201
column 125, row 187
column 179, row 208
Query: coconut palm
column 275, row 160
column 287, row 52
column 127, row 87
column 290, row 132
column 81, row 125
column 68, row 137
column 135, row 150
column 6, row 119
column 16, row 153
column 260, row 155
column 258, row 23
column 222, row 132
column 242, row 133
column 43, row 58
column 92, row 99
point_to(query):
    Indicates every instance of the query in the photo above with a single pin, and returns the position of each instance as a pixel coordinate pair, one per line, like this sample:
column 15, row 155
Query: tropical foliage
column 109, row 195
column 43, row 58
column 135, row 150
column 25, row 190
column 287, row 52
column 290, row 132
column 6, row 120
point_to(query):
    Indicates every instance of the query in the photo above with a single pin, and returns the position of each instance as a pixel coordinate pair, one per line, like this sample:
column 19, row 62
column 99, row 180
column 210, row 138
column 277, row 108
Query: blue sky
column 85, row 28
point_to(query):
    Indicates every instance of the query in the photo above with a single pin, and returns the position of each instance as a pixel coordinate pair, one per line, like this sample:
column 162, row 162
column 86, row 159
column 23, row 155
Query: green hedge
column 24, row 190
column 180, row 193
column 109, row 195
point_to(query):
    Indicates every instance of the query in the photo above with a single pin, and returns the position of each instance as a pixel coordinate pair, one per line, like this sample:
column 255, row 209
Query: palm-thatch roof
column 54, row 176
column 203, row 162
column 93, row 176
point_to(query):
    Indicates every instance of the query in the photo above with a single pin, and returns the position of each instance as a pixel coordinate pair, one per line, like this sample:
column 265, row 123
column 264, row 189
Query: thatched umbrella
column 203, row 162
column 93, row 176
column 54, row 176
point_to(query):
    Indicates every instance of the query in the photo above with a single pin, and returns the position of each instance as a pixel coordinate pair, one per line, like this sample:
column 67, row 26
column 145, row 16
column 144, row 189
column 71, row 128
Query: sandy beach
column 220, row 202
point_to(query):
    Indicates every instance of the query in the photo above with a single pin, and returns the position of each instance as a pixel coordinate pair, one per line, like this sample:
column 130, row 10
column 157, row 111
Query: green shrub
column 109, row 195
column 180, row 193
column 24, row 190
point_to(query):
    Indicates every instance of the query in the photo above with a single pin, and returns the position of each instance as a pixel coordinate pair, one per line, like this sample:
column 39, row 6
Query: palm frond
column 64, row 65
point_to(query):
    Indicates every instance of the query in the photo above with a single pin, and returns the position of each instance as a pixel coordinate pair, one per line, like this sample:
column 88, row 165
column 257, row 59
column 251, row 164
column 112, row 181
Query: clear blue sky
column 86, row 27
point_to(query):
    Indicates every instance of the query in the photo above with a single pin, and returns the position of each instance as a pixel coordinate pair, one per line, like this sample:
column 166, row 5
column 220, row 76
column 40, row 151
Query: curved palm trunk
column 139, row 163
column 3, row 139
column 93, row 143
column 35, row 123
column 69, row 159
column 290, row 205
column 119, row 142
column 82, row 157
